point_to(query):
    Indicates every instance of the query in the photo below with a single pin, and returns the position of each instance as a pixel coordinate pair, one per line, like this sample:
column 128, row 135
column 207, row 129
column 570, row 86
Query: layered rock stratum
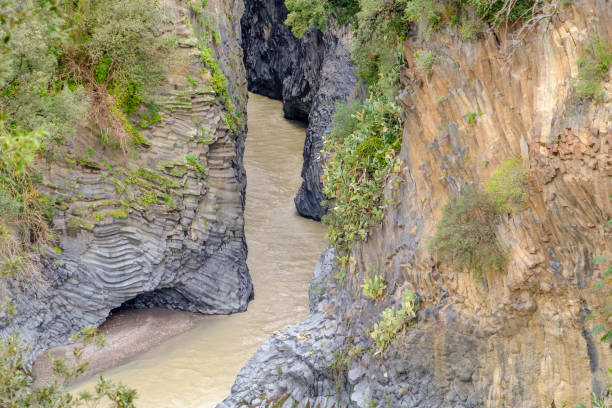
column 159, row 226
column 520, row 338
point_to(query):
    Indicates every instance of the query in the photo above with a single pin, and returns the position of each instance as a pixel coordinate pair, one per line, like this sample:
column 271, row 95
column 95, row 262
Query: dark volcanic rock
column 309, row 75
column 329, row 360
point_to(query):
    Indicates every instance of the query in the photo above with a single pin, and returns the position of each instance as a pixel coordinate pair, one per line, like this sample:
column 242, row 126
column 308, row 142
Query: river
column 198, row 367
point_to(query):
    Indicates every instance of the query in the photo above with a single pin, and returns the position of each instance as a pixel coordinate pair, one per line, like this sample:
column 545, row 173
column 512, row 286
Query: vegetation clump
column 361, row 158
column 374, row 288
column 605, row 313
column 319, row 13
column 17, row 391
column 219, row 83
column 394, row 321
column 381, row 26
column 508, row 186
column 465, row 235
column 593, row 67
column 425, row 61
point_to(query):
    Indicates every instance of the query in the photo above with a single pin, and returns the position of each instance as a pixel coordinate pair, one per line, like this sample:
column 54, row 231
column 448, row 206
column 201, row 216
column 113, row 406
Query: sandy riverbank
column 128, row 333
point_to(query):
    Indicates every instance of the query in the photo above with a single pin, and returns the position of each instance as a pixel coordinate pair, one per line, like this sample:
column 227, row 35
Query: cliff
column 163, row 224
column 309, row 75
column 517, row 338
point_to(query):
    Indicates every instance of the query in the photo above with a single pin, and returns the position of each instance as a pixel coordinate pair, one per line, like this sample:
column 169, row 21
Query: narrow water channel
column 197, row 368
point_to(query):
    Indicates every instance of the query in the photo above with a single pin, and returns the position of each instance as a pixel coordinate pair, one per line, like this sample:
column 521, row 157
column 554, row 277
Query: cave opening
column 164, row 298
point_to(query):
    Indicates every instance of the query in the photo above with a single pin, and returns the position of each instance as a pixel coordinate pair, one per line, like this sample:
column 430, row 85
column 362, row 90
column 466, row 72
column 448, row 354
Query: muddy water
column 197, row 368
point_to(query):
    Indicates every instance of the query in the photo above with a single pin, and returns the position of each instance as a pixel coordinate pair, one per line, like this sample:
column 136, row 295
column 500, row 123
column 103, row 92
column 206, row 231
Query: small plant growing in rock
column 16, row 380
column 508, row 185
column 593, row 68
column 425, row 61
column 374, row 288
column 471, row 117
column 605, row 313
column 393, row 321
column 465, row 235
column 468, row 30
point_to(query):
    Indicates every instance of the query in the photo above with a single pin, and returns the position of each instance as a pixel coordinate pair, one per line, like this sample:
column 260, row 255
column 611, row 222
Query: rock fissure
column 309, row 75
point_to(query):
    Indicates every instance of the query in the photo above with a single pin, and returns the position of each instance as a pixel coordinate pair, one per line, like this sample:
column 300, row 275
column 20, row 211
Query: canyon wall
column 517, row 338
column 161, row 225
column 309, row 75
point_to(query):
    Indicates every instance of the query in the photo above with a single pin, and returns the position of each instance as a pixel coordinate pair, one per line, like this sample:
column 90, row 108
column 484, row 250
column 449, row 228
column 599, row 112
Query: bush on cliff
column 393, row 321
column 508, row 185
column 116, row 50
column 16, row 389
column 304, row 14
column 465, row 236
column 380, row 26
column 593, row 67
column 358, row 166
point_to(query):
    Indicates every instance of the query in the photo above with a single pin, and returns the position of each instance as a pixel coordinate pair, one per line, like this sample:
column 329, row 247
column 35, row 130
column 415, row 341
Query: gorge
column 499, row 137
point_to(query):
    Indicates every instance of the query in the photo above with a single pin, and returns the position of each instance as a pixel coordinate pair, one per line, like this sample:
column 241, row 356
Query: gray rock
column 309, row 75
column 189, row 256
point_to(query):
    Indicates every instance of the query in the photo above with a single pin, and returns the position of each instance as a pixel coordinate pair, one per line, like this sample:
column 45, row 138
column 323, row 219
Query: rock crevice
column 310, row 75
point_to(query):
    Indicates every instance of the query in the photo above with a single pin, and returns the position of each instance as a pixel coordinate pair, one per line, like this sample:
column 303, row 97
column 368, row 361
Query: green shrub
column 471, row 117
column 497, row 12
column 468, row 30
column 377, row 46
column 426, row 13
column 345, row 121
column 593, row 67
column 394, row 321
column 115, row 47
column 465, row 235
column 304, row 14
column 374, row 288
column 425, row 61
column 508, row 185
column 58, row 60
column 358, row 166
column 605, row 313
column 17, row 391
column 9, row 206
column 379, row 27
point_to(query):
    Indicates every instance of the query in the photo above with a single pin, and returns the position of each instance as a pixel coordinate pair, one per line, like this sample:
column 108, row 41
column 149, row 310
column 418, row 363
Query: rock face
column 514, row 339
column 162, row 226
column 309, row 75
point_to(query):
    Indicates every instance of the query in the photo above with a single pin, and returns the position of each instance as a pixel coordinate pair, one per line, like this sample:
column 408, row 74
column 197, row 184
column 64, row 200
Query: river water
column 198, row 368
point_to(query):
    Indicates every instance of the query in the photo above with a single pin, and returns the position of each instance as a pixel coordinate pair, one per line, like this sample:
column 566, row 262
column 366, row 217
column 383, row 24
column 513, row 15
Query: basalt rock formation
column 162, row 226
column 517, row 338
column 309, row 75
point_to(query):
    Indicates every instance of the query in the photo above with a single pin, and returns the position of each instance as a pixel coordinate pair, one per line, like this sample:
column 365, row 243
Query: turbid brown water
column 198, row 367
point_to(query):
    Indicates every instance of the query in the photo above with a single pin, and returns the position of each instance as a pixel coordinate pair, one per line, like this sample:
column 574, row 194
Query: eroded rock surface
column 514, row 339
column 309, row 75
column 160, row 226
